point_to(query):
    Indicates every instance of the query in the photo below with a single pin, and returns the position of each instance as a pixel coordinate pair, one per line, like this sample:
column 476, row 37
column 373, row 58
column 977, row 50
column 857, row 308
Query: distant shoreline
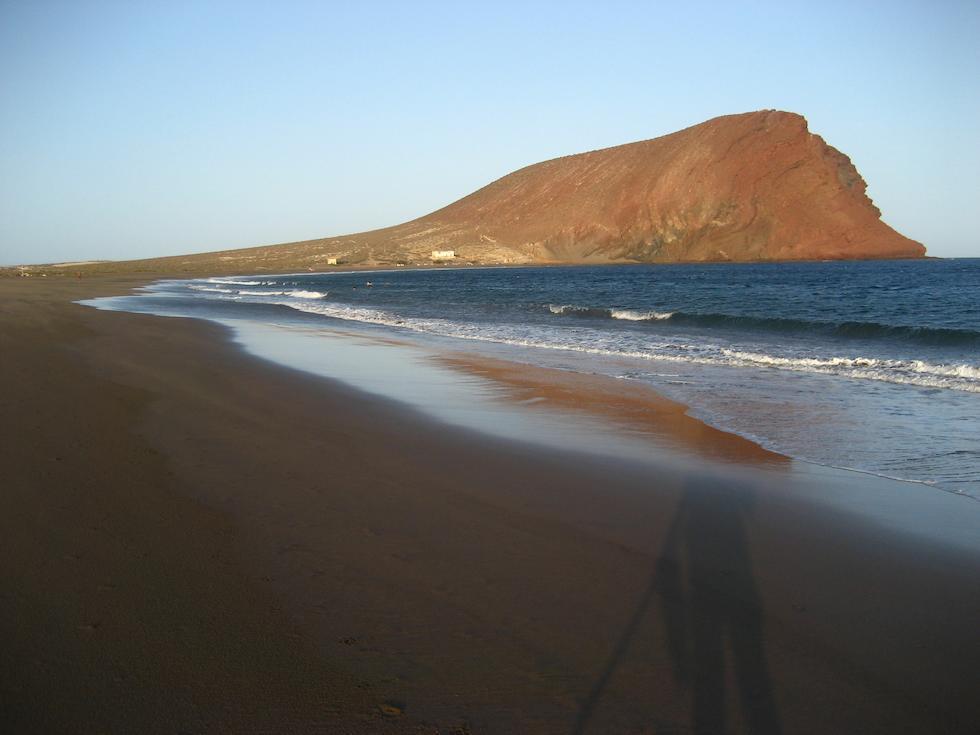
column 91, row 270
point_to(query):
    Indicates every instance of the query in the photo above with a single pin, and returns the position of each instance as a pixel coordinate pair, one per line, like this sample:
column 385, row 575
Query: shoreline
column 535, row 406
column 179, row 507
column 751, row 429
column 632, row 406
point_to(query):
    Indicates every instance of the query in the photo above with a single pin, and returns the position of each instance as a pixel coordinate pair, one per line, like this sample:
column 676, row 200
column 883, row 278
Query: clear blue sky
column 132, row 129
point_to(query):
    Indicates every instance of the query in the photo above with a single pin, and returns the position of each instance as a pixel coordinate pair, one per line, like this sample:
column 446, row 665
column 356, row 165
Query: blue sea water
column 873, row 366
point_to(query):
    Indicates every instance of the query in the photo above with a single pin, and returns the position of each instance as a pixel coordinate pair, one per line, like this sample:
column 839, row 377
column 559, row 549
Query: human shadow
column 711, row 611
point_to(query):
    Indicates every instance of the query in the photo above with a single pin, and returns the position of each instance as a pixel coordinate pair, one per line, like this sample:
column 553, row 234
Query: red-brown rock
column 756, row 186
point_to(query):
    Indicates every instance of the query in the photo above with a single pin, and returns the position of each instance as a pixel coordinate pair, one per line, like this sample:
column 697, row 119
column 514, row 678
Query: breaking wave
column 215, row 289
column 295, row 293
column 300, row 294
column 627, row 314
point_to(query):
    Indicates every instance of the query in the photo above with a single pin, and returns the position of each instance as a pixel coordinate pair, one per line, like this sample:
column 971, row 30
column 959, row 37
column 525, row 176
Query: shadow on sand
column 712, row 614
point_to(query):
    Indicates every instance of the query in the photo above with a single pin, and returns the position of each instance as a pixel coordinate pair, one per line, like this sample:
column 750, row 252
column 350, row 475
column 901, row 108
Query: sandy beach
column 197, row 540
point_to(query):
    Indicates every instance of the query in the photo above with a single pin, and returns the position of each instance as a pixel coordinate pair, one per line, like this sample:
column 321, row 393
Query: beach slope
column 196, row 540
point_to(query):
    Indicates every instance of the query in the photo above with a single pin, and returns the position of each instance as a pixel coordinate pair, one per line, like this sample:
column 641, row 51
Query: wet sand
column 197, row 540
column 627, row 405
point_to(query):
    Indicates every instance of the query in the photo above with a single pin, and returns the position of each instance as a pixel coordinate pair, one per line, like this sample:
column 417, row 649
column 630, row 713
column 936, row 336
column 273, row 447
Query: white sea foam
column 295, row 293
column 971, row 372
column 640, row 316
column 914, row 372
column 301, row 294
column 349, row 313
column 234, row 282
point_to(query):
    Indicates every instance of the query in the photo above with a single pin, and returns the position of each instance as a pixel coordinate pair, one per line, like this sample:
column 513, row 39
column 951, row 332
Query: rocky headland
column 757, row 186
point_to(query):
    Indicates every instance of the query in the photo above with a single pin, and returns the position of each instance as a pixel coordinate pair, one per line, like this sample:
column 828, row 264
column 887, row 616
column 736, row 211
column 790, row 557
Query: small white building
column 331, row 261
column 443, row 254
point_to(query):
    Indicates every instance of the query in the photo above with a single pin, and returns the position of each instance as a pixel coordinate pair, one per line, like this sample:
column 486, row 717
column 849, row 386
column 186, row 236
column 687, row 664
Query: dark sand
column 198, row 541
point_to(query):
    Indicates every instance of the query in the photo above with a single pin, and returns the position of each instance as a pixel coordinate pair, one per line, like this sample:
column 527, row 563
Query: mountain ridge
column 756, row 186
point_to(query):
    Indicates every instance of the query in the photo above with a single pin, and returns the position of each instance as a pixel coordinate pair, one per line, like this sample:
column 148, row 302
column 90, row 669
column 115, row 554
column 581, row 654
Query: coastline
column 180, row 508
column 813, row 385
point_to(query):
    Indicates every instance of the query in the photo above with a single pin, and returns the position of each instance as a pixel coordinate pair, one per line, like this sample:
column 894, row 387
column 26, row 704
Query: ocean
column 869, row 366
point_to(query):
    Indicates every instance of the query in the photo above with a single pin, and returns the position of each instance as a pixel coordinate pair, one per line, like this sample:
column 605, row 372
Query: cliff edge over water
column 757, row 186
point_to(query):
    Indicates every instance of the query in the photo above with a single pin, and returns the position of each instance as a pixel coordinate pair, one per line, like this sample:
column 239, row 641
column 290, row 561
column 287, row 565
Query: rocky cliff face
column 757, row 186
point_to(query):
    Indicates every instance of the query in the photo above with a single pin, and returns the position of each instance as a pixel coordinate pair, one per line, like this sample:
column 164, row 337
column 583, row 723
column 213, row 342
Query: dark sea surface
column 873, row 366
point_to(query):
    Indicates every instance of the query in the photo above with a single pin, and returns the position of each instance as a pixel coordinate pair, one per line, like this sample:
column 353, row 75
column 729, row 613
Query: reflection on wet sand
column 628, row 406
